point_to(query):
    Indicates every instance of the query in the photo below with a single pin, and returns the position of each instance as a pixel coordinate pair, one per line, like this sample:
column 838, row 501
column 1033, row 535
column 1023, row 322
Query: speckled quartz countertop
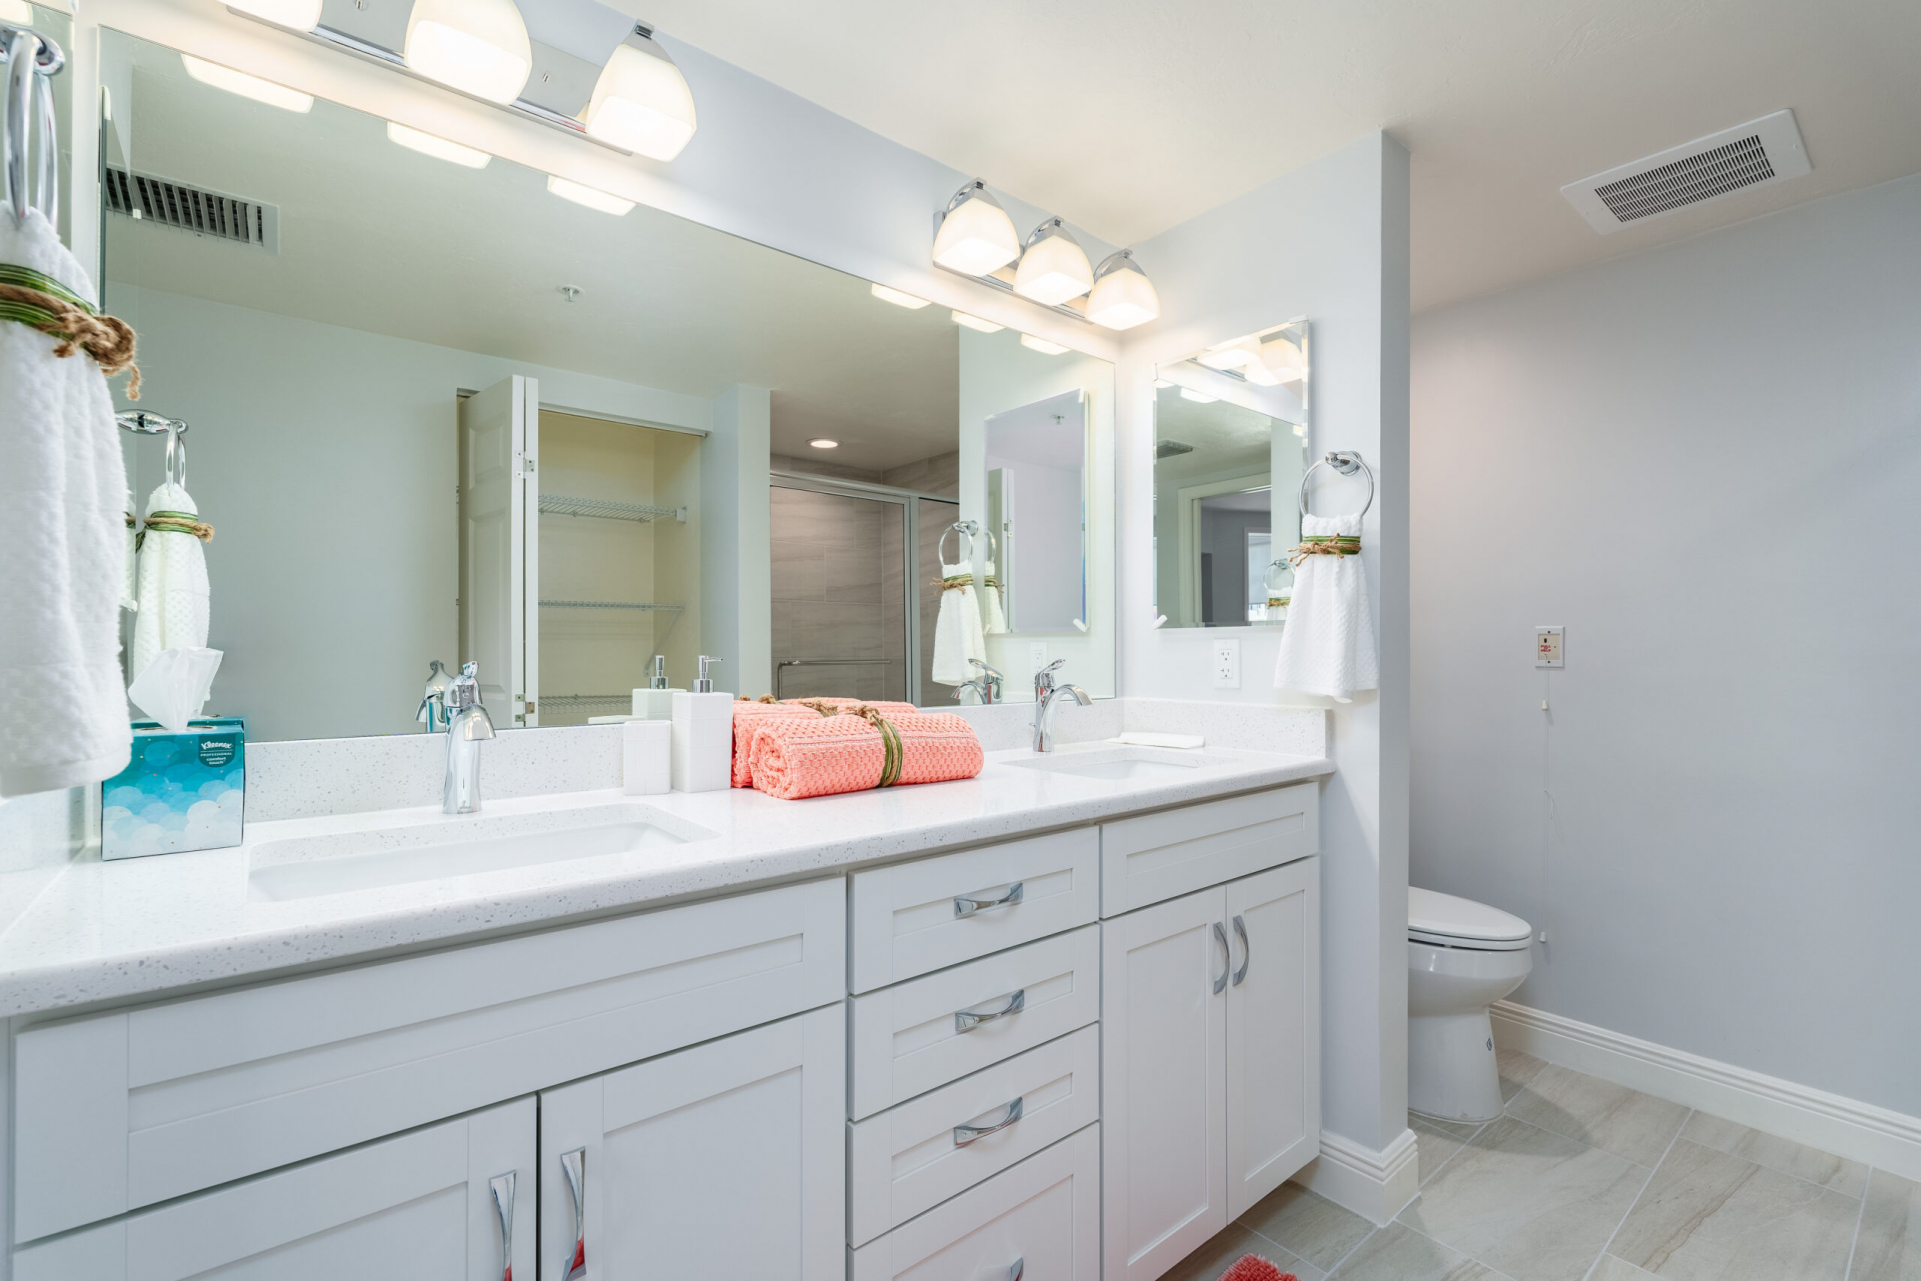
column 111, row 932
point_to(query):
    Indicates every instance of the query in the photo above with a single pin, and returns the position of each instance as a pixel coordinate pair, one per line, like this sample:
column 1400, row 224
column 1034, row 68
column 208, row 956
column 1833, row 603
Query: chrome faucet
column 986, row 686
column 433, row 705
column 468, row 726
column 1045, row 692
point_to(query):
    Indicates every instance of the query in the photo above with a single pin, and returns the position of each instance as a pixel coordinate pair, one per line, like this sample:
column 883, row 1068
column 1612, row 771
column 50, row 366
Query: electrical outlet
column 1227, row 664
column 1036, row 656
column 1547, row 647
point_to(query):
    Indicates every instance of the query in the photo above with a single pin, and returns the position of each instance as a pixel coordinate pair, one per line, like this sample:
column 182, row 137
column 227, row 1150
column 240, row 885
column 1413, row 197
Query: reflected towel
column 957, row 631
column 993, row 617
column 749, row 714
column 797, row 758
column 172, row 584
column 1327, row 645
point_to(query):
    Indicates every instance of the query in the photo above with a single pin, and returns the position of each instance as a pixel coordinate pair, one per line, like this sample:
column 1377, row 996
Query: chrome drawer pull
column 966, row 1134
column 1015, row 1269
column 968, row 906
column 574, row 1166
column 967, row 1020
column 1227, row 959
column 1247, row 953
column 502, row 1186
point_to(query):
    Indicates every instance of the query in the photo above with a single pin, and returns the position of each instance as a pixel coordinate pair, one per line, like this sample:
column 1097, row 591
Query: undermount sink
column 1118, row 763
column 376, row 857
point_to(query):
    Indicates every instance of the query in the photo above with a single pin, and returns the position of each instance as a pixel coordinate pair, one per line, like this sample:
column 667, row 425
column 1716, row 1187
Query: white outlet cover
column 1036, row 655
column 1547, row 646
column 1226, row 664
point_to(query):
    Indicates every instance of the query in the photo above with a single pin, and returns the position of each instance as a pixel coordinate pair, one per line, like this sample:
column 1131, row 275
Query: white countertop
column 107, row 932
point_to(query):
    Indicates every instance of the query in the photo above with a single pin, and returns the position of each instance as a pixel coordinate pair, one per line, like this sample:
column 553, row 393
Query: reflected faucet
column 986, row 686
column 1045, row 692
column 433, row 705
column 468, row 726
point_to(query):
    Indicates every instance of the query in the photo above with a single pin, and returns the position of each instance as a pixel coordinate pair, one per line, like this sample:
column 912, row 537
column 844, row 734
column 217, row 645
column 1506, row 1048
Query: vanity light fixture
column 301, row 15
column 592, row 197
column 1053, row 267
column 1198, row 397
column 17, row 12
column 641, row 101
column 822, row 442
column 439, row 148
column 975, row 322
column 212, row 73
column 1041, row 345
column 975, row 235
column 896, row 297
column 1122, row 296
column 476, row 46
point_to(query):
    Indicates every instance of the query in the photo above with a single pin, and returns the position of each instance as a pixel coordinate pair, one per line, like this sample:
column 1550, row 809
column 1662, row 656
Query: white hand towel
column 173, row 585
column 1328, row 645
column 63, row 713
column 993, row 617
column 957, row 630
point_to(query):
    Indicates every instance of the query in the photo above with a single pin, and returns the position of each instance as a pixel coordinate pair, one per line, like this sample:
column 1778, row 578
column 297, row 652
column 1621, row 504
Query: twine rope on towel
column 174, row 523
column 1324, row 545
column 953, row 584
column 891, row 756
column 820, row 705
column 39, row 301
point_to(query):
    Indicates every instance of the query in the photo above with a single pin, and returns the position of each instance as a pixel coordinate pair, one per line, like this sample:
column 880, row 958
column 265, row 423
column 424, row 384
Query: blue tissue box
column 179, row 791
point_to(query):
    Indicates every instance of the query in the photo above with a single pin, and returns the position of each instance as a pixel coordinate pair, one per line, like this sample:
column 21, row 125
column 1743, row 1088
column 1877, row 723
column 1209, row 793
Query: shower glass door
column 841, row 626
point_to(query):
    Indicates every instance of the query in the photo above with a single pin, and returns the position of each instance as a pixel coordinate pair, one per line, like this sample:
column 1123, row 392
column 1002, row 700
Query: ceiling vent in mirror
column 195, row 209
column 1169, row 448
column 1759, row 152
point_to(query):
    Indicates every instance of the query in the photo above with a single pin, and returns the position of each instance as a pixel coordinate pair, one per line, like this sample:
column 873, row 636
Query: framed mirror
column 1230, row 449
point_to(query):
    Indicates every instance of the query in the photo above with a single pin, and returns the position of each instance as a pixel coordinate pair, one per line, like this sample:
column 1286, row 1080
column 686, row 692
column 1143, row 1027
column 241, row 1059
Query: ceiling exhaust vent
column 195, row 209
column 1165, row 448
column 1750, row 155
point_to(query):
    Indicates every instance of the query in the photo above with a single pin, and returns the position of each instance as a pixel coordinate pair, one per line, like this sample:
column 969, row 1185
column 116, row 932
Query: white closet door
column 499, row 550
column 1273, row 1030
column 724, row 1160
column 1163, row 1079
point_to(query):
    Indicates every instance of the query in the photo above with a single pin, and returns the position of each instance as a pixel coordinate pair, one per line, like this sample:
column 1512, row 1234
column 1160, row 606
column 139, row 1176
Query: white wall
column 1704, row 461
column 736, row 565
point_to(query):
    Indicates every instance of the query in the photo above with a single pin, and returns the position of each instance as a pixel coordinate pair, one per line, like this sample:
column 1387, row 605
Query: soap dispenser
column 656, row 702
column 703, row 746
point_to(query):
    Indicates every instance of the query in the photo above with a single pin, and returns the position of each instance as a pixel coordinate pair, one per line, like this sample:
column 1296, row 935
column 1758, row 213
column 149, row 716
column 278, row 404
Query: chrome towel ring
column 1346, row 462
column 968, row 530
column 31, row 59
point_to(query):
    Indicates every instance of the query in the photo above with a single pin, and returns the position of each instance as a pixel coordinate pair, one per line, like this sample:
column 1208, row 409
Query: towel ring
column 1267, row 579
column 32, row 58
column 1347, row 463
column 175, row 472
column 969, row 530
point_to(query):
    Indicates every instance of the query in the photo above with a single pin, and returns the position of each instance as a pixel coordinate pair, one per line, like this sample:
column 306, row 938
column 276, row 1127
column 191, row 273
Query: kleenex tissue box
column 179, row 792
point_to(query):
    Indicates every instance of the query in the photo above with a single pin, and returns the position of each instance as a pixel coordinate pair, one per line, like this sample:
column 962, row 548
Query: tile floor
column 1584, row 1180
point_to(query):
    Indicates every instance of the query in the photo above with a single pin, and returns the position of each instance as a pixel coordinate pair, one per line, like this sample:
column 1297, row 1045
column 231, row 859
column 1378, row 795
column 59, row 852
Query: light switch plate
column 1547, row 647
column 1227, row 664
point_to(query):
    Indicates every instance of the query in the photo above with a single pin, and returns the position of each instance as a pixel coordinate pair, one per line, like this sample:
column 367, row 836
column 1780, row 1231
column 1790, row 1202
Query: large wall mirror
column 1230, row 449
column 442, row 408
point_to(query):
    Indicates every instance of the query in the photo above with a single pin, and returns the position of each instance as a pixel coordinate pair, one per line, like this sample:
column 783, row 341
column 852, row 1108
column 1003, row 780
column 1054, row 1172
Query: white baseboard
column 1377, row 1185
column 1846, row 1127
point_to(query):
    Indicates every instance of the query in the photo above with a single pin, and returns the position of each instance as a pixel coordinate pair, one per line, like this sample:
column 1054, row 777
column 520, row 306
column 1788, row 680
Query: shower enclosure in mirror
column 1230, row 448
column 442, row 411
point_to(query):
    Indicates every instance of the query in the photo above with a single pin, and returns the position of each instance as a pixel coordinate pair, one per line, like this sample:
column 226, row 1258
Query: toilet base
column 1451, row 1072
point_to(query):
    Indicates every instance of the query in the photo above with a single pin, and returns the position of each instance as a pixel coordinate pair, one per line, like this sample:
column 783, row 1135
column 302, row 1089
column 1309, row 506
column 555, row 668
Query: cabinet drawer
column 1043, row 1214
column 916, row 917
column 914, row 1036
column 118, row 1111
column 917, row 1155
column 1159, row 856
column 419, row 1205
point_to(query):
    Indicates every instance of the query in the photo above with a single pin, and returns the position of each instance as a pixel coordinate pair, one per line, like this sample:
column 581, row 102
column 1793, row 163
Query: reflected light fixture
column 1041, row 345
column 592, row 197
column 1198, row 397
column 1232, row 355
column 18, row 12
column 975, row 322
column 301, row 15
column 212, row 73
column 641, row 101
column 1161, row 384
column 1053, row 267
column 476, row 46
column 821, row 442
column 1282, row 360
column 439, row 148
column 896, row 297
column 976, row 236
column 1122, row 296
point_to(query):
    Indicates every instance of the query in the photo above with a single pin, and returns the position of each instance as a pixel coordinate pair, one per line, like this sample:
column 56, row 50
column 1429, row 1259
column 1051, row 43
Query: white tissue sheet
column 174, row 685
column 1328, row 645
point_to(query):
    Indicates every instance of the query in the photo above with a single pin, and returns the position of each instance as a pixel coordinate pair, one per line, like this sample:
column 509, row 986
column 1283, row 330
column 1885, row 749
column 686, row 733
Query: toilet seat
column 1443, row 920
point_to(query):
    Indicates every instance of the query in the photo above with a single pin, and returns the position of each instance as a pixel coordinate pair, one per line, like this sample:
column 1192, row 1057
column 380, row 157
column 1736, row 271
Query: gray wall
column 1704, row 461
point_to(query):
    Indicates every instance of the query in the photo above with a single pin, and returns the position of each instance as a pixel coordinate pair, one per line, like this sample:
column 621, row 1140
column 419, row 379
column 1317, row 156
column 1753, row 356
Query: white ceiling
column 1128, row 117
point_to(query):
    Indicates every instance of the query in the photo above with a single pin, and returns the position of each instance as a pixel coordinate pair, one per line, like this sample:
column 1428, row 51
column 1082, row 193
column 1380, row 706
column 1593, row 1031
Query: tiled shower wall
column 837, row 594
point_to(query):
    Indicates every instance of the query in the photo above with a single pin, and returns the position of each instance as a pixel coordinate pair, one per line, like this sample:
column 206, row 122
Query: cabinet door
column 427, row 1206
column 1164, row 973
column 1273, row 1030
column 727, row 1159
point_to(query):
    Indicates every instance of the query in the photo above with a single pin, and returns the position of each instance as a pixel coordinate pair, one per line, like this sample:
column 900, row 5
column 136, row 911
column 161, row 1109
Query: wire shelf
column 565, row 701
column 605, row 604
column 606, row 508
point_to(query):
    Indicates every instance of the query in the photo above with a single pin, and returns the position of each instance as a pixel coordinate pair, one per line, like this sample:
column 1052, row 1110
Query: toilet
column 1462, row 956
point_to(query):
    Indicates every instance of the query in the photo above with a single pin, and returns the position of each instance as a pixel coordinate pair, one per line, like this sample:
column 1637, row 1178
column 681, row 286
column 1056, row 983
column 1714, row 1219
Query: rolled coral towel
column 797, row 758
column 750, row 713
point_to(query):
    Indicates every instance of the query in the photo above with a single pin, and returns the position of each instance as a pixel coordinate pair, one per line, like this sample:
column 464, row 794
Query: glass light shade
column 476, row 46
column 896, row 297
column 976, row 237
column 302, row 15
column 1198, row 397
column 975, row 322
column 439, row 148
column 589, row 196
column 1122, row 296
column 1053, row 267
column 1041, row 345
column 1281, row 358
column 20, row 13
column 1257, row 373
column 212, row 73
column 641, row 102
column 1232, row 355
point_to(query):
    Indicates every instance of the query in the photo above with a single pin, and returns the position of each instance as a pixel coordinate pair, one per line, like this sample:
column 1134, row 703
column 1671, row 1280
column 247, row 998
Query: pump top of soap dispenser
column 658, row 680
column 704, row 685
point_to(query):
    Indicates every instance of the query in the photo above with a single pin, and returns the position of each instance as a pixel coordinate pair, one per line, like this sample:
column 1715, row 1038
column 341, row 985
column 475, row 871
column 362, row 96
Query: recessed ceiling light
column 212, row 73
column 439, row 148
column 898, row 298
column 589, row 196
column 1041, row 345
column 975, row 322
column 821, row 442
column 1198, row 397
